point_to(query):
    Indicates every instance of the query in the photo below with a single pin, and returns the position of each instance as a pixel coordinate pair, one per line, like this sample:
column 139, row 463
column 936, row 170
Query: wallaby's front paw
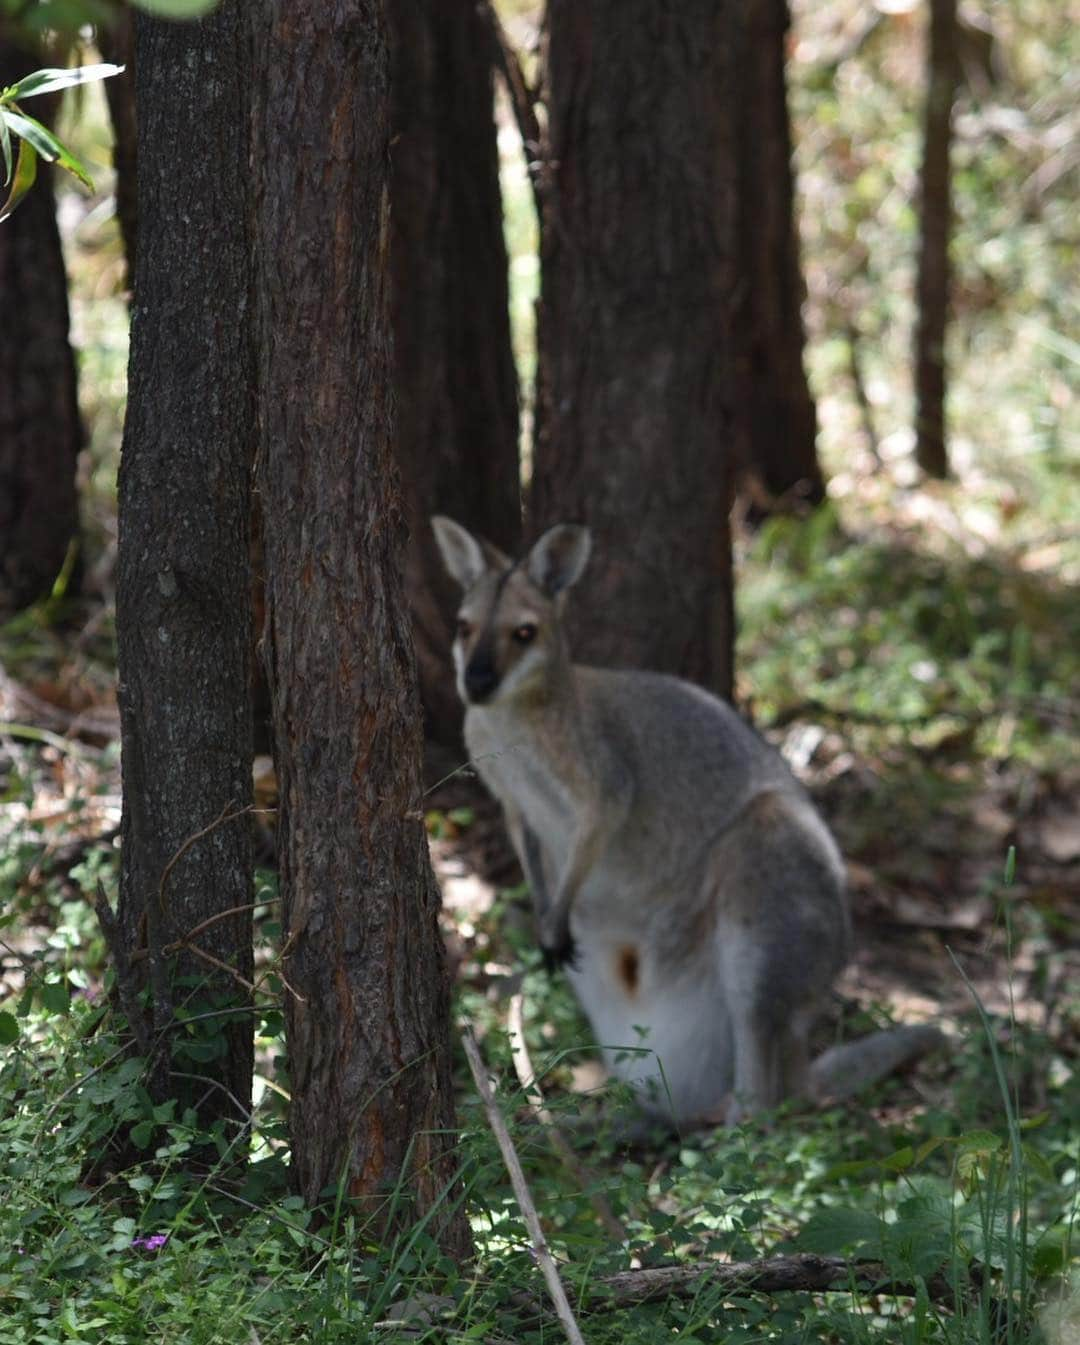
column 563, row 953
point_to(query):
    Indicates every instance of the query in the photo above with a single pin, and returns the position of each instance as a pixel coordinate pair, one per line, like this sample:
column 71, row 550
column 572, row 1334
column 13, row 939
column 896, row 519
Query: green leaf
column 48, row 81
column 1034, row 1122
column 1052, row 1252
column 23, row 180
column 142, row 1134
column 834, row 1228
column 854, row 1167
column 1038, row 1163
column 927, row 1147
column 45, row 143
column 899, row 1161
column 969, row 1166
column 40, row 137
column 203, row 1051
column 56, row 997
column 176, row 9
column 75, row 1195
column 9, row 1029
column 979, row 1142
column 5, row 146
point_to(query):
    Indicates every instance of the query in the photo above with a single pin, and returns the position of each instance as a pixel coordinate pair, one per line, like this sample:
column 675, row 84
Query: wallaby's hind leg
column 770, row 1035
column 783, row 931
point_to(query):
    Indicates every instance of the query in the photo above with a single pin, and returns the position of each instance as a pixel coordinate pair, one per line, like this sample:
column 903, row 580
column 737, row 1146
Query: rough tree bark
column 775, row 422
column 635, row 326
column 40, row 431
column 183, row 578
column 457, row 411
column 932, row 284
column 367, row 1015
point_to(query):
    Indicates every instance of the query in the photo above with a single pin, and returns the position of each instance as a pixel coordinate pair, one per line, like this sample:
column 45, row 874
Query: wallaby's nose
column 481, row 679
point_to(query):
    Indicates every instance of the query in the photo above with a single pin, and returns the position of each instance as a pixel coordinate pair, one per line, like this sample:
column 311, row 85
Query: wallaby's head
column 509, row 641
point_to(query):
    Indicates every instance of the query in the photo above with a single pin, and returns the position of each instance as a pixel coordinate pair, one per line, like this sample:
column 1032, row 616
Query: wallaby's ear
column 466, row 557
column 460, row 550
column 558, row 559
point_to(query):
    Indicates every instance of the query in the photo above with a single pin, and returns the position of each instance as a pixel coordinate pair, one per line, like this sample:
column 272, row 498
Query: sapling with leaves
column 34, row 138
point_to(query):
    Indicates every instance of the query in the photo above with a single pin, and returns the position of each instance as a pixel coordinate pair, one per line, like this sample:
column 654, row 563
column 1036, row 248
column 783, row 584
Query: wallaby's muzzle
column 481, row 679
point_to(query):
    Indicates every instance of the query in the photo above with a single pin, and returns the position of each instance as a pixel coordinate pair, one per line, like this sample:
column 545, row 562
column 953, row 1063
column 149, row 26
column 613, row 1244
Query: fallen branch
column 804, row 1271
column 521, row 1191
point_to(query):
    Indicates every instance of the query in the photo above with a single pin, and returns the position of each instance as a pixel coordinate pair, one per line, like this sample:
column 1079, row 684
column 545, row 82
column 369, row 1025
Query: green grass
column 157, row 1254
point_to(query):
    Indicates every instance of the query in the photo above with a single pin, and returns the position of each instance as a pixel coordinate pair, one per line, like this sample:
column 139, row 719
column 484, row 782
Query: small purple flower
column 153, row 1243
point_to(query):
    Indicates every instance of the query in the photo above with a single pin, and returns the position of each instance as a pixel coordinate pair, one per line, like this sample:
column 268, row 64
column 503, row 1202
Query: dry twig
column 224, row 816
column 521, row 1191
column 523, row 1068
column 221, row 915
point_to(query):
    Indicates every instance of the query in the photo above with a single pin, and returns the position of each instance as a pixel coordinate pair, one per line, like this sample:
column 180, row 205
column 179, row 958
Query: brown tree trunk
column 457, row 412
column 116, row 42
column 40, row 431
column 183, row 582
column 932, row 285
column 635, row 326
column 775, row 420
column 368, row 1010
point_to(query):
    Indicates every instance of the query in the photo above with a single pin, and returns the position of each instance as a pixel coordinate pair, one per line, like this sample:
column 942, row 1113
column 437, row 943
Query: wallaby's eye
column 464, row 630
column 524, row 634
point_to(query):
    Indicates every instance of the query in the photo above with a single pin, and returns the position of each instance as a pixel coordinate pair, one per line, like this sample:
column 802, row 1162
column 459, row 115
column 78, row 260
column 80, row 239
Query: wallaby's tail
column 842, row 1071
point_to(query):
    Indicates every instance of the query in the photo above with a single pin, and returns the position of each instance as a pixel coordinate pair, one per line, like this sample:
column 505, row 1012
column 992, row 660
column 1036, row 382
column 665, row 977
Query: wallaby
column 679, row 871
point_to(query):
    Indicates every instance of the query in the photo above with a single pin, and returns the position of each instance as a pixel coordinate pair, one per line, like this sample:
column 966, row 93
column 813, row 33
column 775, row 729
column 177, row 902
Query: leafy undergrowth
column 890, row 670
column 972, row 1191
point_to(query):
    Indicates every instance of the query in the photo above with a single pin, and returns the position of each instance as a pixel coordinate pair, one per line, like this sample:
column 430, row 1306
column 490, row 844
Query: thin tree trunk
column 40, row 431
column 183, row 580
column 457, row 411
column 775, row 419
column 936, row 223
column 367, row 1014
column 116, row 42
column 635, row 327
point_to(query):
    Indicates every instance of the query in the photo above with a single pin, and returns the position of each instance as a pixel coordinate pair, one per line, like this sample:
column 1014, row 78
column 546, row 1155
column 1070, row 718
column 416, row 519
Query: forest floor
column 927, row 698
column 926, row 799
